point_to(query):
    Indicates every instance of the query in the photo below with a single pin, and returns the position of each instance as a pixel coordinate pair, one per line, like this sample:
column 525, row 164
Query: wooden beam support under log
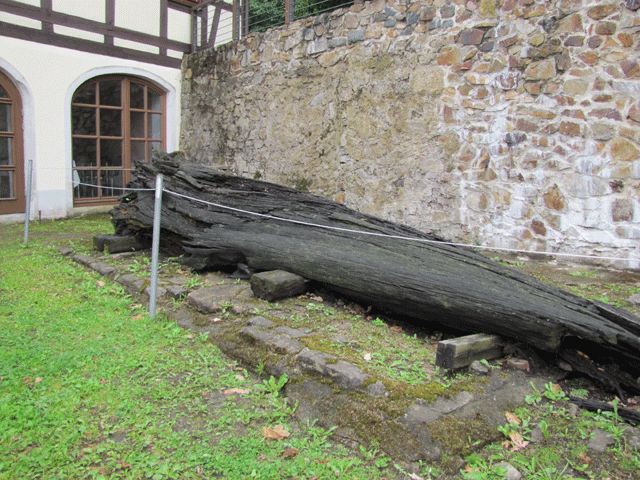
column 423, row 280
column 461, row 351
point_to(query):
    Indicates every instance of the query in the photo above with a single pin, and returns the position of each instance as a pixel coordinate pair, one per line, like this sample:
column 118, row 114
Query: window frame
column 15, row 204
column 125, row 134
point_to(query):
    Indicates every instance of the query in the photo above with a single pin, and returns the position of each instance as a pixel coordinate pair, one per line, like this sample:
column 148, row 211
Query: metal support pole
column 27, row 211
column 155, row 247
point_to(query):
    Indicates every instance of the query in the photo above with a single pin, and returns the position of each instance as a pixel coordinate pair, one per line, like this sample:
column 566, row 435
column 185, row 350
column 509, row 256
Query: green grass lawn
column 90, row 387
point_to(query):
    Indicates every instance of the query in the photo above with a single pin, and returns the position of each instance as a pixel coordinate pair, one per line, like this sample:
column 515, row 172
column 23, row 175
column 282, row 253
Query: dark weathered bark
column 424, row 281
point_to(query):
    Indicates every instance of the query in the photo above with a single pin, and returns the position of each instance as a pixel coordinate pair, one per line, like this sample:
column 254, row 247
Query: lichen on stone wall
column 510, row 123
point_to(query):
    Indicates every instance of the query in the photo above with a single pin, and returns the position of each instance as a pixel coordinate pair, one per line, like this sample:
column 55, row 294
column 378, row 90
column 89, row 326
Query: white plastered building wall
column 47, row 76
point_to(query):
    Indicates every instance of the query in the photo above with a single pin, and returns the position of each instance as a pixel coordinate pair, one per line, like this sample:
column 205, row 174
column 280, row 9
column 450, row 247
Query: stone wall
column 511, row 123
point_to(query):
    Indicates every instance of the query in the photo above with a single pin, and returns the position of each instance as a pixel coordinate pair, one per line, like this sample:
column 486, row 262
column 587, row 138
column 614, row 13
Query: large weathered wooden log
column 427, row 282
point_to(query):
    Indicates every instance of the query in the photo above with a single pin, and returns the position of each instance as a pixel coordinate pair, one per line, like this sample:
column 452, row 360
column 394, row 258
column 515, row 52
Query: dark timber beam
column 73, row 43
column 72, row 21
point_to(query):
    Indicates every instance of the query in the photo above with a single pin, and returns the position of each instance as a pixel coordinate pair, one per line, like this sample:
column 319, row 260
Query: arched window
column 114, row 121
column 11, row 157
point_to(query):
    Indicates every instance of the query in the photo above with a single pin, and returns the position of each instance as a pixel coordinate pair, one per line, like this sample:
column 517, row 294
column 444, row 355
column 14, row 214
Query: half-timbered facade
column 88, row 87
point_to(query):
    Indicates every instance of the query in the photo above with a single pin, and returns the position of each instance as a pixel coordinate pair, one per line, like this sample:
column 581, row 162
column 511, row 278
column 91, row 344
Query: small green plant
column 378, row 322
column 554, row 392
column 193, row 282
column 579, row 393
column 320, row 308
column 534, row 397
column 479, row 468
column 543, row 425
column 273, row 385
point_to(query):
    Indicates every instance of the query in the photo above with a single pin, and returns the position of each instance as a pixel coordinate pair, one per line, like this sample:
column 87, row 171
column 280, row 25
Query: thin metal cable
column 396, row 237
column 114, row 188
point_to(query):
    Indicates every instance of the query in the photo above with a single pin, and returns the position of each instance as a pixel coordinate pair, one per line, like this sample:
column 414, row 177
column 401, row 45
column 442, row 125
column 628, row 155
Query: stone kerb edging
column 328, row 388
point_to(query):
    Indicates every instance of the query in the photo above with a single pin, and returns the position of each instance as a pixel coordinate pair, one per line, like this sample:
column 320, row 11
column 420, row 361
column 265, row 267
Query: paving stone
column 177, row 291
column 518, row 364
column 65, row 251
column 213, row 299
column 85, row 260
column 131, row 282
column 634, row 299
column 422, row 413
column 632, row 438
column 511, row 472
column 292, row 332
column 343, row 373
column 260, row 322
column 103, row 268
column 160, row 291
column 280, row 343
column 536, row 435
column 600, row 441
column 377, row 389
column 478, row 368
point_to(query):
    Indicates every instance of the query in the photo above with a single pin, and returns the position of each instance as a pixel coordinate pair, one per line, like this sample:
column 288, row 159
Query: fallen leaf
column 37, row 380
column 191, row 337
column 555, row 388
column 137, row 317
column 584, row 458
column 506, row 444
column 103, row 381
column 1, row 378
column 239, row 377
column 517, row 441
column 124, row 465
column 512, row 418
column 396, row 328
column 26, row 380
column 367, row 357
column 289, row 452
column 216, row 320
column 236, row 391
column 100, row 284
column 276, row 433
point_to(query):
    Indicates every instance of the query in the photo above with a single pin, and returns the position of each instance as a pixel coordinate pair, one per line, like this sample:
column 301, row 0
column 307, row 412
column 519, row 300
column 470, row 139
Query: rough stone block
column 343, row 373
column 355, row 36
column 214, row 299
column 103, row 268
column 260, row 322
column 133, row 284
column 282, row 344
column 177, row 291
column 277, row 284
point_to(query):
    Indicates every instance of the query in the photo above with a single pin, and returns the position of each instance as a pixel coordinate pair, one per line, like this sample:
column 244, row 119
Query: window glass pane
column 110, row 92
column 85, row 94
column 90, row 177
column 83, row 120
column 153, row 147
column 3, row 93
column 110, row 123
column 6, row 185
column 155, row 126
column 137, row 95
column 137, row 124
column 5, row 117
column 111, row 153
column 84, row 152
column 155, row 101
column 111, row 178
column 137, row 151
column 6, row 151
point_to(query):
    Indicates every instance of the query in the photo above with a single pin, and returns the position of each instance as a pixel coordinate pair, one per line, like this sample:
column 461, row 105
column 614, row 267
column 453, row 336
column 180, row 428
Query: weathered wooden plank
column 459, row 352
column 277, row 284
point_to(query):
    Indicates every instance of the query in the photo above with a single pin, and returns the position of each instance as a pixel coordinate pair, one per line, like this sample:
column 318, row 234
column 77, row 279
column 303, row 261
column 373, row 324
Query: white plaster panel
column 90, row 9
column 35, row 3
column 47, row 109
column 119, row 42
column 179, row 26
column 139, row 15
column 21, row 21
column 74, row 32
